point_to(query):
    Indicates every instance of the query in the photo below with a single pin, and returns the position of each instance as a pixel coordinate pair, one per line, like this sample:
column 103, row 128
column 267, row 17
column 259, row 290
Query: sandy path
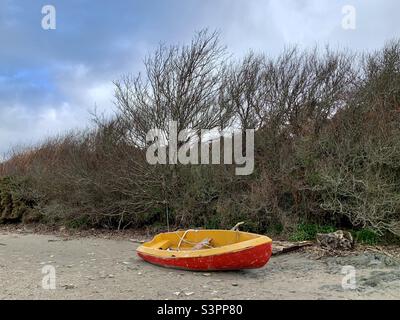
column 97, row 268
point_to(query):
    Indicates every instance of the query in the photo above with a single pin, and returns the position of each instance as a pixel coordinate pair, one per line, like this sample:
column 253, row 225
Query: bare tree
column 243, row 92
column 305, row 88
column 180, row 84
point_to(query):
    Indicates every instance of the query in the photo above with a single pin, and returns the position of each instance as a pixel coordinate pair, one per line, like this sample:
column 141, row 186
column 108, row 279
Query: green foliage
column 366, row 236
column 80, row 222
column 214, row 222
column 17, row 202
column 307, row 231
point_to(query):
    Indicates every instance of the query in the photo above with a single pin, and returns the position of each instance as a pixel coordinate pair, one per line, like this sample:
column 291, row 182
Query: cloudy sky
column 50, row 80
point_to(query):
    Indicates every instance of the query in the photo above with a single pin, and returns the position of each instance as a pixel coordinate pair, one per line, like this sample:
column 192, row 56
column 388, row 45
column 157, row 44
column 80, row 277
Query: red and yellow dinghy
column 208, row 250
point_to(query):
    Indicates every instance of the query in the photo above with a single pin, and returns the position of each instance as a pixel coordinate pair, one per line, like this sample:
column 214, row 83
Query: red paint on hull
column 250, row 258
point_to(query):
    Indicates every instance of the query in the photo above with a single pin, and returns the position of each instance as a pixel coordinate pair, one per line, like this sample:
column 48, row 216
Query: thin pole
column 166, row 210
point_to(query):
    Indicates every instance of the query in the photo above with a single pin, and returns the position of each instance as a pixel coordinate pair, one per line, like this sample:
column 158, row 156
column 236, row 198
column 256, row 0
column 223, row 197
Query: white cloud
column 22, row 126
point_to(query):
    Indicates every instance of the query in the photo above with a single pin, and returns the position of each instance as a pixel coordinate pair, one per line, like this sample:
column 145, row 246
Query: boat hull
column 248, row 258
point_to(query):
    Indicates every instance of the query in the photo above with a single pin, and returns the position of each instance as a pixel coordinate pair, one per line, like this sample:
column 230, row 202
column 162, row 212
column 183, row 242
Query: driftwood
column 339, row 240
column 137, row 240
column 281, row 247
column 204, row 244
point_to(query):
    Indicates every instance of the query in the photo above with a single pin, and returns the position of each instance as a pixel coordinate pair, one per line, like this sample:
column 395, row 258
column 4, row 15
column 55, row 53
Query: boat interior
column 198, row 239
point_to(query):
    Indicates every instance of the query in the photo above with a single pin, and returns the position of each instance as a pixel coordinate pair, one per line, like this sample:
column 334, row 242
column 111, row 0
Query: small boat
column 204, row 250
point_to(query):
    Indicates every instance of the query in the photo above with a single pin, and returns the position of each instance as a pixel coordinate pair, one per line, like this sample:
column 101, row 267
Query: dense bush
column 17, row 202
column 327, row 145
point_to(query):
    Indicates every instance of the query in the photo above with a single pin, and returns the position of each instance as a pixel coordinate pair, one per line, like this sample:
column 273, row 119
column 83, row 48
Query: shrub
column 327, row 147
column 307, row 231
column 17, row 202
column 366, row 236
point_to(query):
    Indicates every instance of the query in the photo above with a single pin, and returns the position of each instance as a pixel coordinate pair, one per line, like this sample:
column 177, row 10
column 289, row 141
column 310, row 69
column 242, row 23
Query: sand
column 97, row 268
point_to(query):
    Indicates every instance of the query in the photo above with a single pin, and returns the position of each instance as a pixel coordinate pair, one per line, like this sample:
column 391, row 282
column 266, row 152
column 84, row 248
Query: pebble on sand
column 68, row 286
